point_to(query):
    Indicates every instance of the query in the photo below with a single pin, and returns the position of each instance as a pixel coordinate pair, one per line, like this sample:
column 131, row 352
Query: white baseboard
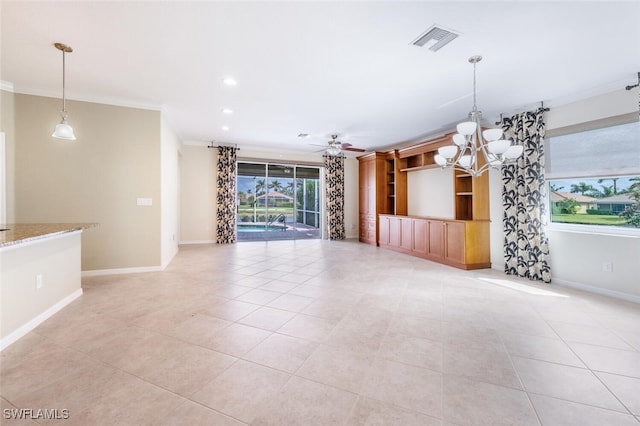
column 119, row 271
column 588, row 288
column 32, row 324
column 198, row 242
column 598, row 290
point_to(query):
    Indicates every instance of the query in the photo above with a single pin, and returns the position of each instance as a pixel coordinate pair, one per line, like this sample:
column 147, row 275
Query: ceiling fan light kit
column 63, row 130
column 336, row 147
column 463, row 154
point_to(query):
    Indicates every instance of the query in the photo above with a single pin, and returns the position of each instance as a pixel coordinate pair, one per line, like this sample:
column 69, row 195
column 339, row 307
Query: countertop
column 19, row 233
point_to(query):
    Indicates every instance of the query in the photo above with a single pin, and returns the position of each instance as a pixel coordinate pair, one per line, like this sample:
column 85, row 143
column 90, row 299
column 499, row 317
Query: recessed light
column 227, row 111
column 230, row 82
column 225, row 128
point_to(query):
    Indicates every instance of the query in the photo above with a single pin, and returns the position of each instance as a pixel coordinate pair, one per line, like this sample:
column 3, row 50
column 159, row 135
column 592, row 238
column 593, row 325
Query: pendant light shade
column 63, row 130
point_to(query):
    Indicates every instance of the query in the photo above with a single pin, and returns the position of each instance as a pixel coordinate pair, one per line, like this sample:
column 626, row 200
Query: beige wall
column 97, row 178
column 197, row 194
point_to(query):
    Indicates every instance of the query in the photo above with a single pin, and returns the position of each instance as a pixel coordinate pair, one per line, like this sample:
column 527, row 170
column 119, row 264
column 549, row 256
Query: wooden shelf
column 414, row 169
column 464, row 193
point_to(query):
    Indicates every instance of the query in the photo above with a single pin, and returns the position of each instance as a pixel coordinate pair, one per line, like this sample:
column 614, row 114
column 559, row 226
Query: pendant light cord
column 64, row 99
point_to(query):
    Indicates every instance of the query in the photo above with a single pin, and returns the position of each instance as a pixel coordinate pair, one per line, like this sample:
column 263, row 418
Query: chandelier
column 470, row 139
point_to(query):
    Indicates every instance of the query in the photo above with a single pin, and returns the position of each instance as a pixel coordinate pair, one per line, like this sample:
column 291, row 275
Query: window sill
column 595, row 230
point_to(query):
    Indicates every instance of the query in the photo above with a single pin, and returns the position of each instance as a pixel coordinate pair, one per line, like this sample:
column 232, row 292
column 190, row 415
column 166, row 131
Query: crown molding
column 6, row 86
column 91, row 99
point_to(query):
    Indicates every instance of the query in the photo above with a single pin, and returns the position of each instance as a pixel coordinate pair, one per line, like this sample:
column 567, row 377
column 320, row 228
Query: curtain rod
column 635, row 85
column 211, row 145
column 542, row 107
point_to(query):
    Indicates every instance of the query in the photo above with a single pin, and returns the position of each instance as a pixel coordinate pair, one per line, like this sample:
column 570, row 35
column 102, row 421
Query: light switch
column 145, row 202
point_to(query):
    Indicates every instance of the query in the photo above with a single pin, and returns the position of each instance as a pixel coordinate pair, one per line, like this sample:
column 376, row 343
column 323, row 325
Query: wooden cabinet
column 382, row 190
column 462, row 241
column 372, row 175
column 463, row 244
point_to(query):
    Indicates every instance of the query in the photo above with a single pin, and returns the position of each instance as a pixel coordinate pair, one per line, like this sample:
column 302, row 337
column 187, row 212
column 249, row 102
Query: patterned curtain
column 524, row 195
column 334, row 183
column 226, row 178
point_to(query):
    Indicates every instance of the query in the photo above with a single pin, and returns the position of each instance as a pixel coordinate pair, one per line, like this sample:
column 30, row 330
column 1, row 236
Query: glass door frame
column 319, row 196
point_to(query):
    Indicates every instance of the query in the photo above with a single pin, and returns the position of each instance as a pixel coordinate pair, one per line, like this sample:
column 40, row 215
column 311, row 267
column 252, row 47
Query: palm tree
column 555, row 188
column 276, row 186
column 581, row 187
column 260, row 187
column 615, row 184
column 608, row 191
column 289, row 188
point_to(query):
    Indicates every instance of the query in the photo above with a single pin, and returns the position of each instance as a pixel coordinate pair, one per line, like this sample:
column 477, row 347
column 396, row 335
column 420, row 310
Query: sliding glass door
column 277, row 202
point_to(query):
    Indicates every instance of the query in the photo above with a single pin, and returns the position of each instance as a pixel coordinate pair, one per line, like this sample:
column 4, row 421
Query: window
column 594, row 178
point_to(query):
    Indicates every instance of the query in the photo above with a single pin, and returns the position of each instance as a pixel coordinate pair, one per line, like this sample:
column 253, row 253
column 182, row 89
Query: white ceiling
column 319, row 67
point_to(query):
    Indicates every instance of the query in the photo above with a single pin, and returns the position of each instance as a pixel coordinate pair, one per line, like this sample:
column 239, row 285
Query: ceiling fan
column 335, row 146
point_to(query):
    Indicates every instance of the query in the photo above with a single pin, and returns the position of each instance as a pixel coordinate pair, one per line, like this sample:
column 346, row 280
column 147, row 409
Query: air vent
column 435, row 38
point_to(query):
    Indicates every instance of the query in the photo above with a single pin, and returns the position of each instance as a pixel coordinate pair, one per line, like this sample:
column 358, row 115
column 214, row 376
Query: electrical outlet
column 38, row 282
column 607, row 267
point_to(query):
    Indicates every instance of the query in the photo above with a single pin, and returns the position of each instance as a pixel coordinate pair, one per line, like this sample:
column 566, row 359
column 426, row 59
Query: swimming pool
column 258, row 228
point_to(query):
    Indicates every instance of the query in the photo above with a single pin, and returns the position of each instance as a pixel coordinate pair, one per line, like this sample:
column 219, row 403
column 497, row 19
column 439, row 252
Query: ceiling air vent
column 435, row 38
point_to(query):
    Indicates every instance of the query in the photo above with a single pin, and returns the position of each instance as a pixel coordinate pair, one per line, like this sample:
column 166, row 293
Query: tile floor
column 323, row 333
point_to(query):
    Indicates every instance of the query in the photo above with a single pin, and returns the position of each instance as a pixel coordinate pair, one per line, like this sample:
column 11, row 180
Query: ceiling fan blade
column 348, row 148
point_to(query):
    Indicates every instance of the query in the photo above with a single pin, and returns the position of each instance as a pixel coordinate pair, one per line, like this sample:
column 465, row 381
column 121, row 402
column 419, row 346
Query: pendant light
column 63, row 130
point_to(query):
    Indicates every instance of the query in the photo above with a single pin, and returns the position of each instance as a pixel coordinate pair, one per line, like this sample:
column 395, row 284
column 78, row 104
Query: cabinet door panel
column 395, row 231
column 384, row 230
column 420, row 236
column 406, row 240
column 454, row 241
column 435, row 232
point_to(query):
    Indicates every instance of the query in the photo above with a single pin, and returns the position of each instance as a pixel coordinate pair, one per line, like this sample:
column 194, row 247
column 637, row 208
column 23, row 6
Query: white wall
column 169, row 192
column 23, row 306
column 431, row 193
column 576, row 258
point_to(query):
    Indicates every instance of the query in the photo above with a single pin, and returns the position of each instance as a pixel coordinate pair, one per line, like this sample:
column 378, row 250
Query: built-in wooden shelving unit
column 462, row 241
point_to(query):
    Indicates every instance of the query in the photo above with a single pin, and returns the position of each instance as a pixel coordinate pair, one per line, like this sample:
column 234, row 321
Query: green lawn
column 589, row 219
